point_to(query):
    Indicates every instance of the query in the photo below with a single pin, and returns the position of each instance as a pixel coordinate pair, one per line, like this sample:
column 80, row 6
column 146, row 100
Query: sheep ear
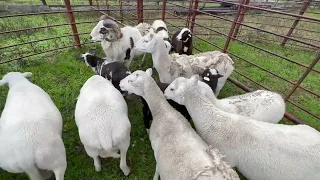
column 219, row 75
column 194, row 79
column 27, row 74
column 149, row 71
column 3, row 82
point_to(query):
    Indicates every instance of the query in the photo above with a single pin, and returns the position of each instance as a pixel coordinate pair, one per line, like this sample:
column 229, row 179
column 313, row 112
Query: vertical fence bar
column 195, row 11
column 189, row 13
column 72, row 23
column 304, row 75
column 140, row 11
column 121, row 11
column 302, row 11
column 164, row 3
column 108, row 6
column 226, row 46
column 240, row 19
column 90, row 2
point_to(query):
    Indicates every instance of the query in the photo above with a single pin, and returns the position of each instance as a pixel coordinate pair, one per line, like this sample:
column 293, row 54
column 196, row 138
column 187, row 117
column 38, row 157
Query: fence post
column 164, row 3
column 90, row 2
column 140, row 11
column 195, row 11
column 305, row 6
column 304, row 75
column 240, row 19
column 226, row 46
column 189, row 13
column 108, row 7
column 72, row 23
column 121, row 11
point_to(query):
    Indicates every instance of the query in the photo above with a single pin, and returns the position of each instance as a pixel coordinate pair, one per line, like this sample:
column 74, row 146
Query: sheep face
column 210, row 77
column 11, row 77
column 90, row 59
column 184, row 34
column 107, row 30
column 176, row 91
column 134, row 83
column 150, row 41
column 147, row 43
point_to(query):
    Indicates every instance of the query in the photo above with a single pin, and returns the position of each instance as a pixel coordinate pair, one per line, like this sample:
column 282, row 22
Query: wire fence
column 275, row 46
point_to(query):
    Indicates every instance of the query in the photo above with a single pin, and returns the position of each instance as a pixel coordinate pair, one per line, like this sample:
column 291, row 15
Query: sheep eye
column 208, row 74
column 145, row 41
column 137, row 75
column 171, row 89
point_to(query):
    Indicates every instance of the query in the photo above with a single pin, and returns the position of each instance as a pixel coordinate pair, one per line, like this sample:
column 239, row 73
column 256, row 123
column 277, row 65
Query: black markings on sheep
column 160, row 29
column 210, row 77
column 182, row 42
column 131, row 42
column 147, row 116
column 113, row 71
column 128, row 51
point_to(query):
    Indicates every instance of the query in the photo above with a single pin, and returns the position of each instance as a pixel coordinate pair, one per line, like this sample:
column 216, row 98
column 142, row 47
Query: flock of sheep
column 236, row 132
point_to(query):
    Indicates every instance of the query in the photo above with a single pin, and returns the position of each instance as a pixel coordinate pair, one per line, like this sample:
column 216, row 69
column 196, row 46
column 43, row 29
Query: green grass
column 61, row 75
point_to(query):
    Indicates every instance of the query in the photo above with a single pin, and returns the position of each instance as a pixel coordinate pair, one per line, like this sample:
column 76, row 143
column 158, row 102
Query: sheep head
column 184, row 35
column 210, row 77
column 134, row 83
column 178, row 89
column 106, row 29
column 90, row 59
column 150, row 42
column 12, row 77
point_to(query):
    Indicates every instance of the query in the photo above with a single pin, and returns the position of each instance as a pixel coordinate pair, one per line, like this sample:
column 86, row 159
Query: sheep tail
column 105, row 141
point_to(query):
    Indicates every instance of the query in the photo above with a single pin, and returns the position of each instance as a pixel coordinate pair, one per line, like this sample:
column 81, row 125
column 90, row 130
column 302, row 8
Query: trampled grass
column 61, row 75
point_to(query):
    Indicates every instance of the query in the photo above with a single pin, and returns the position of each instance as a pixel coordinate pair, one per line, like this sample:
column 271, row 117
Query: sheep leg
column 123, row 152
column 156, row 174
column 34, row 174
column 94, row 154
column 59, row 173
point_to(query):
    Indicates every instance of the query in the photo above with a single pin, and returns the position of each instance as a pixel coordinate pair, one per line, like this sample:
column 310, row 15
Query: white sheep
column 179, row 152
column 160, row 28
column 117, row 43
column 171, row 66
column 30, row 130
column 260, row 105
column 101, row 115
column 259, row 150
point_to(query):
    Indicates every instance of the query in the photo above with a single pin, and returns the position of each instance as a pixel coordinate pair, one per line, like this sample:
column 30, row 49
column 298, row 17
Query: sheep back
column 100, row 109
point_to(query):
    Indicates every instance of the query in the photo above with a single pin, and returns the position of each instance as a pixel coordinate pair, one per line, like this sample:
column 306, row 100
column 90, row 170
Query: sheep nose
column 90, row 37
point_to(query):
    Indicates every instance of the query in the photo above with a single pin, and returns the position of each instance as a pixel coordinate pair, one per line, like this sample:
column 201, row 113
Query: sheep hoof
column 98, row 169
column 126, row 170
